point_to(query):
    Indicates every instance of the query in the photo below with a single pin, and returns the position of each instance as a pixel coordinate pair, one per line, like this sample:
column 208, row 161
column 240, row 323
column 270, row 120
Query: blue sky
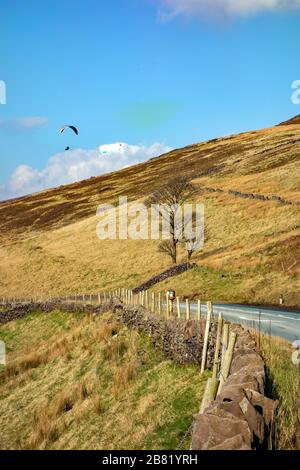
column 139, row 72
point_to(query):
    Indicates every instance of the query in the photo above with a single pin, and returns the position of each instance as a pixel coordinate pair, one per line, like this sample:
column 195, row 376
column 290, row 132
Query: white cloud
column 76, row 165
column 22, row 123
column 222, row 8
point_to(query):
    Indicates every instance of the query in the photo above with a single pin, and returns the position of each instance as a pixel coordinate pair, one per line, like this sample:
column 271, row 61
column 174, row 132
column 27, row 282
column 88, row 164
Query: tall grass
column 283, row 384
column 46, row 426
column 93, row 385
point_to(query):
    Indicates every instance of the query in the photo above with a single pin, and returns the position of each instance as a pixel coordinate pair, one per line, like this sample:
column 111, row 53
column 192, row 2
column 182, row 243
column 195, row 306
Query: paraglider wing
column 69, row 127
column 67, row 148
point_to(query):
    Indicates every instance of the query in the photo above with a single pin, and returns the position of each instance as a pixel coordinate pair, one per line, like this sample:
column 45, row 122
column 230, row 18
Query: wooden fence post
column 217, row 348
column 152, row 302
column 225, row 369
column 225, row 339
column 167, row 305
column 187, row 309
column 178, row 307
column 199, row 310
column 205, row 343
column 210, row 393
column 159, row 303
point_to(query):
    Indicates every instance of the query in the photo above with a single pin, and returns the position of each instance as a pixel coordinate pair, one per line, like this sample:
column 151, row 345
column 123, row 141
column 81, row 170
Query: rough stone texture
column 174, row 271
column 217, row 428
column 259, row 197
column 17, row 311
column 179, row 340
column 240, row 416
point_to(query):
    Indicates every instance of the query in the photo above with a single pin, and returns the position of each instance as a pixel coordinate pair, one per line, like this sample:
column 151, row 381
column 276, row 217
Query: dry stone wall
column 173, row 271
column 241, row 415
column 181, row 341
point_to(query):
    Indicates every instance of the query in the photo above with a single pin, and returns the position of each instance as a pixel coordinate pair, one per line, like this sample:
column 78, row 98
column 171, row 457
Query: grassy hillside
column 49, row 244
column 74, row 383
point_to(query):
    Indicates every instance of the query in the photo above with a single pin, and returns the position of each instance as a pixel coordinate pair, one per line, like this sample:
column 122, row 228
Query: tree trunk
column 174, row 251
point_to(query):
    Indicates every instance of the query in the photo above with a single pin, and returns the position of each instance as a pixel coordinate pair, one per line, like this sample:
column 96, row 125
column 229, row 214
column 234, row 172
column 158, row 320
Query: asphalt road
column 278, row 322
column 274, row 321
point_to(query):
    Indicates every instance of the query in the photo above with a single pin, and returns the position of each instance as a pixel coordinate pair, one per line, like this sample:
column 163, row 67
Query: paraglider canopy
column 67, row 126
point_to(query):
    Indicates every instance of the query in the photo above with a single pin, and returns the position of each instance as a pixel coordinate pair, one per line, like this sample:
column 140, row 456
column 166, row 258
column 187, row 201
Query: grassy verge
column 73, row 382
column 283, row 384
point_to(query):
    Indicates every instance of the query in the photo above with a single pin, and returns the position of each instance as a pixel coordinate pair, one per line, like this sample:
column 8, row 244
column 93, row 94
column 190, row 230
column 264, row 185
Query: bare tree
column 191, row 246
column 168, row 248
column 176, row 191
column 168, row 200
column 194, row 241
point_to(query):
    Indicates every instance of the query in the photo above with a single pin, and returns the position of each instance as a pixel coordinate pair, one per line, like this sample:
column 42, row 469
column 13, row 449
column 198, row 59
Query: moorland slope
column 249, row 184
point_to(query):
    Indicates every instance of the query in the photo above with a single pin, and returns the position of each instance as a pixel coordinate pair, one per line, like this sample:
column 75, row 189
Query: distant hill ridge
column 291, row 122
